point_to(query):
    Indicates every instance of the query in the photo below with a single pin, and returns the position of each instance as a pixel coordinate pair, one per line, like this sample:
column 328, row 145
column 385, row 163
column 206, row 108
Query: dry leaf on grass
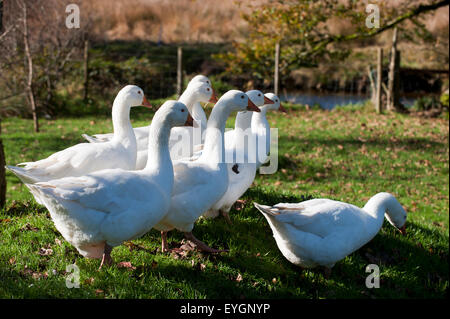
column 45, row 251
column 126, row 264
column 29, row 227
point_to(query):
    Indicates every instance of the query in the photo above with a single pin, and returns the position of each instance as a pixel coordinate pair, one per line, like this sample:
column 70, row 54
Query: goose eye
column 276, row 100
column 242, row 96
column 139, row 92
column 207, row 82
column 259, row 94
column 208, row 89
column 182, row 110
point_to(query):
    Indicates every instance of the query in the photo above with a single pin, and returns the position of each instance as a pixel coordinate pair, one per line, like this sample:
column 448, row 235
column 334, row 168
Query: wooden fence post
column 179, row 71
column 277, row 68
column 378, row 103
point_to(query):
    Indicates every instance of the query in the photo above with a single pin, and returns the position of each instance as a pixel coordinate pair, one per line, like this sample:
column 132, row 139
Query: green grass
column 348, row 154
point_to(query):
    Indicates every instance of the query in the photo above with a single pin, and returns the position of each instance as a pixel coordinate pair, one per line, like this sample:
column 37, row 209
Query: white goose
column 201, row 183
column 323, row 231
column 183, row 139
column 99, row 211
column 261, row 128
column 141, row 132
column 84, row 158
column 241, row 172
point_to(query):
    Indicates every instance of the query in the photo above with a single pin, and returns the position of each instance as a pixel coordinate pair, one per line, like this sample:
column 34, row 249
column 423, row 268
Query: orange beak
column 146, row 103
column 189, row 121
column 403, row 230
column 268, row 101
column 252, row 107
column 213, row 98
column 282, row 109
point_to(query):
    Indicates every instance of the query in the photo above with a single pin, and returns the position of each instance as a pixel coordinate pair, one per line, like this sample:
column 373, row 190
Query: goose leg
column 226, row 216
column 106, row 256
column 165, row 245
column 201, row 245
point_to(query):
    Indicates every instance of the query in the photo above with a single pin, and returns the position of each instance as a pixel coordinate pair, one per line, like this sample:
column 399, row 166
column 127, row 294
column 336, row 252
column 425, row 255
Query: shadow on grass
column 412, row 144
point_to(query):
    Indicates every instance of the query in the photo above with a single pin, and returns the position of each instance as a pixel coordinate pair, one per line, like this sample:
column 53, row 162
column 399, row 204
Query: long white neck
column 191, row 100
column 243, row 120
column 188, row 98
column 376, row 207
column 158, row 160
column 261, row 128
column 214, row 149
column 123, row 131
column 198, row 114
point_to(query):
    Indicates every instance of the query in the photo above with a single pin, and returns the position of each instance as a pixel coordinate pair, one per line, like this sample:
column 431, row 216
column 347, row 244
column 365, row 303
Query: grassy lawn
column 348, row 154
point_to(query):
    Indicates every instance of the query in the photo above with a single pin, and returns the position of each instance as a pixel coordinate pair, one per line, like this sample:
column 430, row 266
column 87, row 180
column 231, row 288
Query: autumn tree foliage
column 306, row 31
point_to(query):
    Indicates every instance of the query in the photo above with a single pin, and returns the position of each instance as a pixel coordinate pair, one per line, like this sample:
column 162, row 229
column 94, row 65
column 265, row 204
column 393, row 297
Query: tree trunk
column 373, row 87
column 378, row 102
column 86, row 69
column 29, row 84
column 2, row 172
column 179, row 71
column 277, row 69
column 393, row 95
column 1, row 16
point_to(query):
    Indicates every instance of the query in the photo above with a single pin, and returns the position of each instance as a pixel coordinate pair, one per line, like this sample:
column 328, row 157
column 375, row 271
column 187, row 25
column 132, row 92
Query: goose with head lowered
column 84, row 158
column 99, row 211
column 201, row 183
column 320, row 232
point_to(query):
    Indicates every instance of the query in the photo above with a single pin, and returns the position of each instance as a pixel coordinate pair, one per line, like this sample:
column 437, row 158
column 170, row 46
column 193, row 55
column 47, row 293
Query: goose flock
column 182, row 167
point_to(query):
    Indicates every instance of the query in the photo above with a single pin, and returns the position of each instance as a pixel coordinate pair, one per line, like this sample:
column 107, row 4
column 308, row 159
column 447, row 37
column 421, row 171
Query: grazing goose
column 201, row 183
column 99, row 211
column 84, row 158
column 320, row 232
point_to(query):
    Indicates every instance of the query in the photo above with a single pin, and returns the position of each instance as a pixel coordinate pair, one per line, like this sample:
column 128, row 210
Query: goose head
column 258, row 98
column 238, row 101
column 204, row 92
column 133, row 96
column 277, row 103
column 174, row 113
column 200, row 79
column 396, row 214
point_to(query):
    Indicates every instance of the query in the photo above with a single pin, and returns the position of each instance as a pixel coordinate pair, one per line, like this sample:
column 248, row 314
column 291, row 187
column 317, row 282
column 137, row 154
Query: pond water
column 332, row 100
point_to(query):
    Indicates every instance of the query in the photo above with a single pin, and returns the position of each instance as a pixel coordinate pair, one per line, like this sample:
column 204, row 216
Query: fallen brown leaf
column 29, row 227
column 126, row 264
column 45, row 251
